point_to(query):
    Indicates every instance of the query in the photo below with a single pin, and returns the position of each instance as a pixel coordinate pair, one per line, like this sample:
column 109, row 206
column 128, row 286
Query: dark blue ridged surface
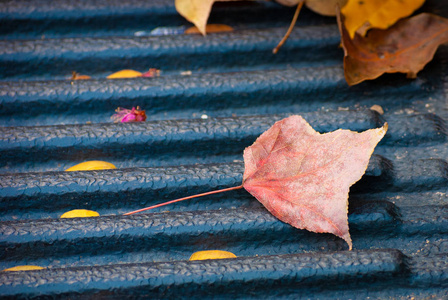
column 290, row 90
column 222, row 277
column 198, row 126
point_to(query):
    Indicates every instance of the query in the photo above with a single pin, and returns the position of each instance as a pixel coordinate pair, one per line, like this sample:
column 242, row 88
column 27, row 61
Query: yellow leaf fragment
column 196, row 11
column 125, row 74
column 211, row 254
column 361, row 15
column 91, row 165
column 80, row 213
column 23, row 268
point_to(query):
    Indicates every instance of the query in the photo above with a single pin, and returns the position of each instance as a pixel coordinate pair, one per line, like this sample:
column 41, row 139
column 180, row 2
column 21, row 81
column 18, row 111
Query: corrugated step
column 294, row 90
column 199, row 123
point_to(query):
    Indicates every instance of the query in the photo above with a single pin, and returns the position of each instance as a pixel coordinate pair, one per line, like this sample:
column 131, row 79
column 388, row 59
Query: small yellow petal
column 23, row 268
column 80, row 213
column 92, row 165
column 125, row 74
column 211, row 254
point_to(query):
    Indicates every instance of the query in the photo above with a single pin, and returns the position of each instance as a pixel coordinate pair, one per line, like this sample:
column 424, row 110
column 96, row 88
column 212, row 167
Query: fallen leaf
column 209, row 28
column 325, row 7
column 79, row 213
column 23, row 268
column 124, row 115
column 77, row 76
column 125, row 74
column 361, row 15
column 405, row 47
column 303, row 177
column 211, row 254
column 91, row 165
column 153, row 72
column 196, row 11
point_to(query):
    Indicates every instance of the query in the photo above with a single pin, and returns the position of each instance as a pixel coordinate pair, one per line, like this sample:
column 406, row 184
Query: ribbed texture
column 192, row 142
column 54, row 57
column 292, row 90
column 257, row 276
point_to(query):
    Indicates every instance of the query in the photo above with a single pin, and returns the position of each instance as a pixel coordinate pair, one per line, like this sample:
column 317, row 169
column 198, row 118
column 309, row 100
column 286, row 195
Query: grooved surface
column 21, row 59
column 151, row 143
column 210, row 277
column 198, row 124
column 289, row 90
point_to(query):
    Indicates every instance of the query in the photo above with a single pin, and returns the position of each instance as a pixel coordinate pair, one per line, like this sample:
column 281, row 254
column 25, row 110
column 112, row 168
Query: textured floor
column 197, row 128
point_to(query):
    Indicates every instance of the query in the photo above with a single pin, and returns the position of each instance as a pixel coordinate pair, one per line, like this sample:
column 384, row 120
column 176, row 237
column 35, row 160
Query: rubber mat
column 215, row 95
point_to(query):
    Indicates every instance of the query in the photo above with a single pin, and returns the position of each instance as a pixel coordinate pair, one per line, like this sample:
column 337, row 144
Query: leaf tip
column 202, row 30
column 197, row 12
column 384, row 129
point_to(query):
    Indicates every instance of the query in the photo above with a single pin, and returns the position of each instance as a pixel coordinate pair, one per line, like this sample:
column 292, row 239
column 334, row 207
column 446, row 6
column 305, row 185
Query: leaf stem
column 185, row 198
column 291, row 26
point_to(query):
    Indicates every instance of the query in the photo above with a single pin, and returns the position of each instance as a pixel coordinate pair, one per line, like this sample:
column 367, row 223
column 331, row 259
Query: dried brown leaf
column 405, row 47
